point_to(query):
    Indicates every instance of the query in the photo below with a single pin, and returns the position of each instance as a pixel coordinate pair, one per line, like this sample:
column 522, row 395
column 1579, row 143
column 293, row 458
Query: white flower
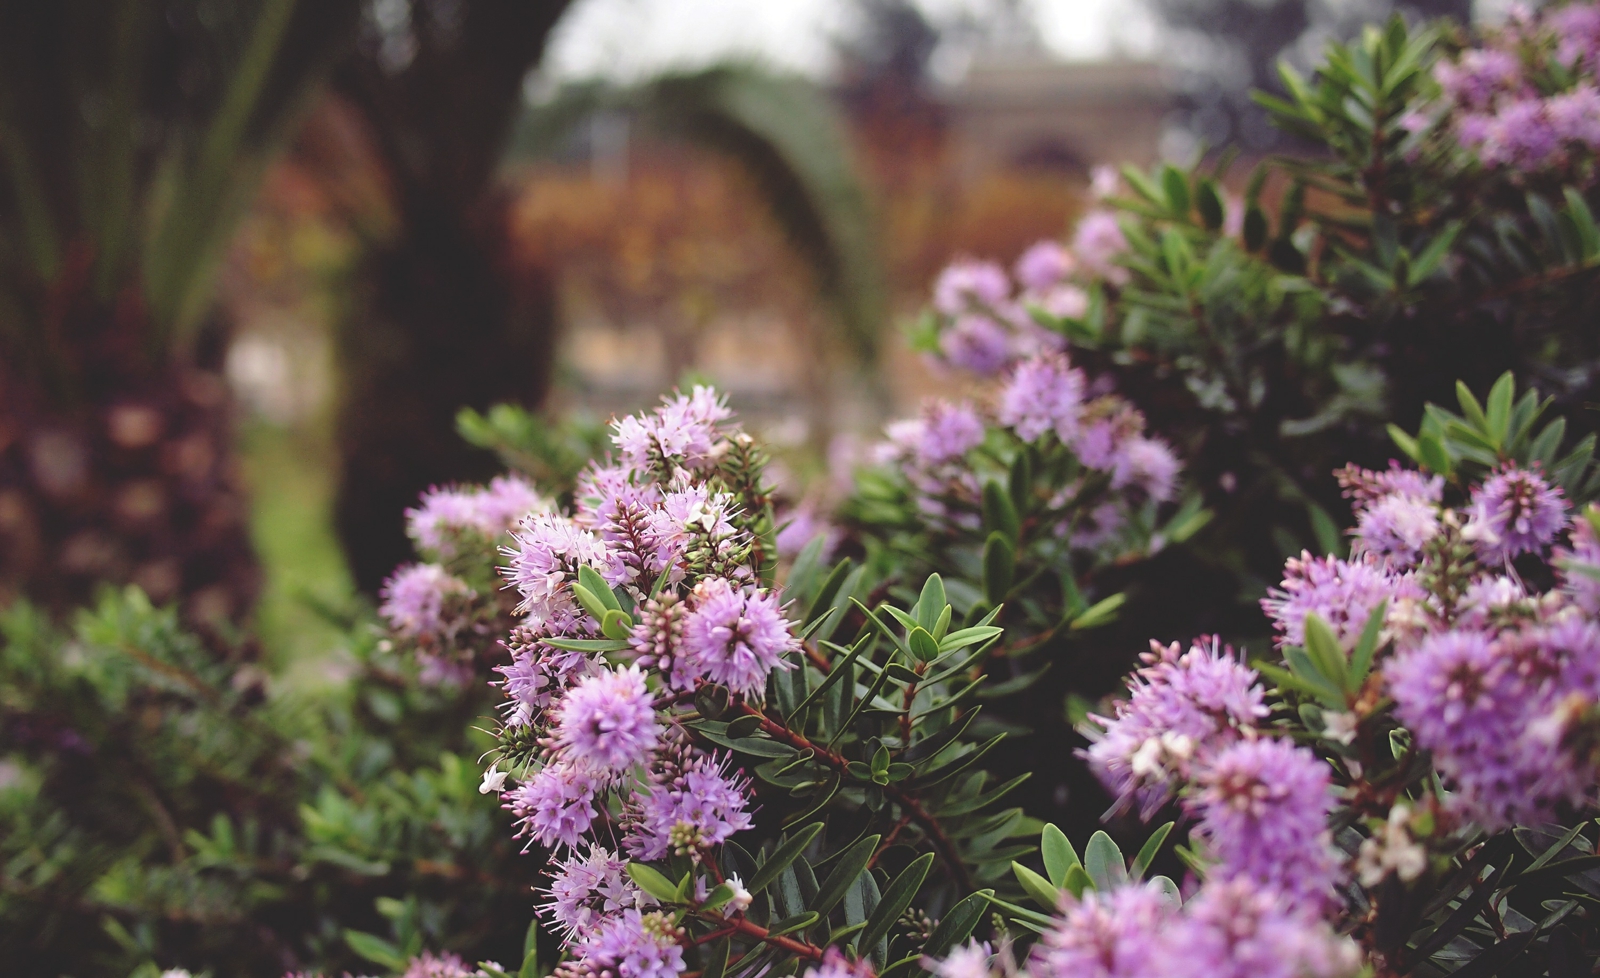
column 1391, row 850
column 494, row 780
column 742, row 898
column 1340, row 727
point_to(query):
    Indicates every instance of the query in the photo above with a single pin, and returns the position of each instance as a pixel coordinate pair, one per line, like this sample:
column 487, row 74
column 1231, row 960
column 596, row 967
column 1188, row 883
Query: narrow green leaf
column 1367, row 645
column 1499, row 410
column 1077, row 881
column 1147, row 852
column 1102, row 612
column 999, row 515
column 1325, row 652
column 957, row 923
column 716, row 960
column 376, row 949
column 1039, row 889
column 850, row 865
column 617, row 624
column 895, row 900
column 590, row 601
column 1176, row 190
column 652, row 882
column 932, row 602
column 999, row 564
column 781, row 857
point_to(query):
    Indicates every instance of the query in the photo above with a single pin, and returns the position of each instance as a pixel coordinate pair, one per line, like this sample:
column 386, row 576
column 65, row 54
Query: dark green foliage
column 160, row 806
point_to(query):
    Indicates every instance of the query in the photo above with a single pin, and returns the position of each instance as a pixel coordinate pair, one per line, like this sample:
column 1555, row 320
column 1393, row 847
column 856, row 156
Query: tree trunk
column 121, row 471
column 446, row 319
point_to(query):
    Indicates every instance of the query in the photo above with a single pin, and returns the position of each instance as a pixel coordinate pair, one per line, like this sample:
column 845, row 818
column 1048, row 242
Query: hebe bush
column 726, row 749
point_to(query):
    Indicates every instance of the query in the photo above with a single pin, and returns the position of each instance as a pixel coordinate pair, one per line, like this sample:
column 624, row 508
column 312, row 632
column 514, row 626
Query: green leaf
column 1059, row 855
column 829, row 589
column 376, row 949
column 957, row 923
column 1176, row 190
column 1470, row 408
column 922, row 644
column 716, row 960
column 617, row 624
column 1432, row 454
column 596, row 585
column 652, row 882
column 590, row 601
column 999, row 564
column 969, row 636
column 1077, row 881
column 1306, row 671
column 1102, row 860
column 895, row 900
column 849, row 866
column 1102, row 612
column 1039, row 889
column 1367, row 645
column 586, row 644
column 1255, row 228
column 754, row 746
column 1499, row 410
column 1209, row 203
column 786, row 853
column 1147, row 852
column 932, row 602
column 999, row 515
column 1325, row 652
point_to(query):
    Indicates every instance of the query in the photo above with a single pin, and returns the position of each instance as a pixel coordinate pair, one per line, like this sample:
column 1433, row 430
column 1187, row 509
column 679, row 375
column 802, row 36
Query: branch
column 929, row 825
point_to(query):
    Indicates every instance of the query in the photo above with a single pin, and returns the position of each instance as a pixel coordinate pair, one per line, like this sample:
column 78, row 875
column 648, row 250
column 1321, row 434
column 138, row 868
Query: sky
column 627, row 39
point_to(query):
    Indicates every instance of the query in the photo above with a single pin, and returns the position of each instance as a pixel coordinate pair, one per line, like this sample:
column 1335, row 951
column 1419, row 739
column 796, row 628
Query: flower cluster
column 1529, row 100
column 649, row 591
column 1046, row 404
column 1193, row 727
column 985, row 320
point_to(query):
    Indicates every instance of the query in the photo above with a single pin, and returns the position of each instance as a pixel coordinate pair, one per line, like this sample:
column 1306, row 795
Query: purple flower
column 632, row 945
column 976, row 342
column 1342, row 593
column 1044, row 266
column 736, row 636
column 697, row 806
column 1042, row 394
column 685, row 515
column 445, row 965
column 443, row 516
column 549, row 550
column 538, row 672
column 1364, row 487
column 1520, row 134
column 1580, row 567
column 1575, row 116
column 970, row 960
column 555, row 806
column 586, row 891
column 836, row 965
column 606, row 723
column 943, row 433
column 1147, row 463
column 1577, row 30
column 1395, row 529
column 1514, row 512
column 681, row 433
column 965, row 283
column 1105, row 424
column 1484, row 705
column 1115, row 934
column 1097, row 242
column 800, row 526
column 1480, row 75
column 1236, row 929
column 414, row 599
column 1180, row 706
column 1263, row 809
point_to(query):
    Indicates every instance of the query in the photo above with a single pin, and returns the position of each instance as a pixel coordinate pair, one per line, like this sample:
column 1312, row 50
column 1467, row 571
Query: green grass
column 290, row 472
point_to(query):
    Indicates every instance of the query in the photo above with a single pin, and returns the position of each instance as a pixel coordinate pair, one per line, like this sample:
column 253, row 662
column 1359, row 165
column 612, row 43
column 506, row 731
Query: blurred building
column 1032, row 112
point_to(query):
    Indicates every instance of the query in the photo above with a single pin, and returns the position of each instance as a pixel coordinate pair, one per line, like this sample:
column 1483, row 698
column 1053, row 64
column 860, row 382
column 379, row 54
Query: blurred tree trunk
column 132, row 138
column 443, row 316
